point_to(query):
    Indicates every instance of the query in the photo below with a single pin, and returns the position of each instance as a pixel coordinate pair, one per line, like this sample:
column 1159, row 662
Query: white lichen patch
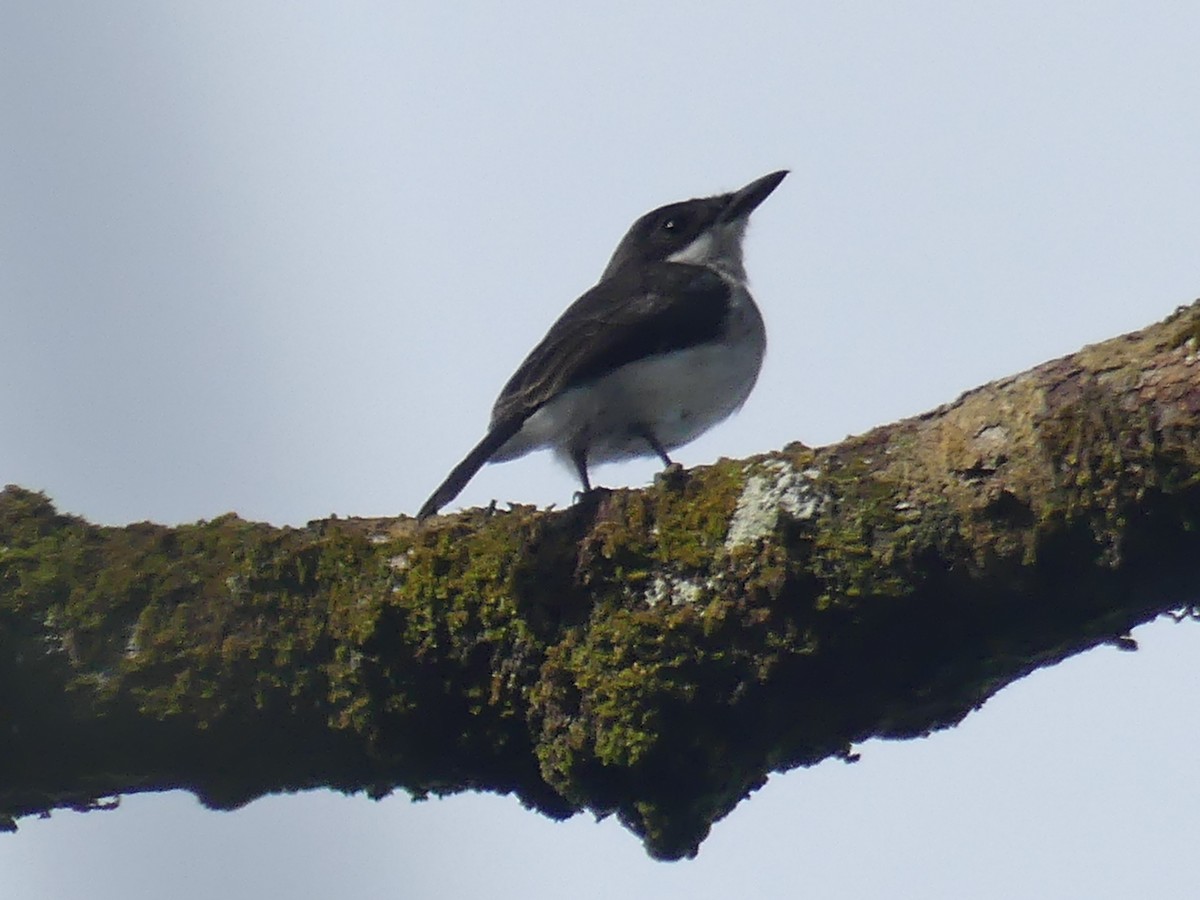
column 676, row 591
column 133, row 643
column 775, row 489
column 1192, row 346
column 236, row 585
column 992, row 437
column 400, row 561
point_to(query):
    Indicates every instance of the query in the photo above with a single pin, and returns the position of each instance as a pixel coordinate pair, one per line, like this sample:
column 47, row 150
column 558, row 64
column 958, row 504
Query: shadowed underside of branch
column 651, row 654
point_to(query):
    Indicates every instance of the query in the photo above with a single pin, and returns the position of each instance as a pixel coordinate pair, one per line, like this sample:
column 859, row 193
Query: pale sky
column 279, row 258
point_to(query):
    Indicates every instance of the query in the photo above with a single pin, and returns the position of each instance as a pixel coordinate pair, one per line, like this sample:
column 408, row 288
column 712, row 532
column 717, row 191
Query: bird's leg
column 589, row 494
column 648, row 436
column 579, row 458
column 671, row 470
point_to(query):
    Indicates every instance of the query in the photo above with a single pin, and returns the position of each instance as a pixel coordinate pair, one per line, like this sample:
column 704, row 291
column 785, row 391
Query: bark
column 652, row 654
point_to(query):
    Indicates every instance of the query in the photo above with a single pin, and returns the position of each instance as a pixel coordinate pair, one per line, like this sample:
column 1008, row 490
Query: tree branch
column 652, row 654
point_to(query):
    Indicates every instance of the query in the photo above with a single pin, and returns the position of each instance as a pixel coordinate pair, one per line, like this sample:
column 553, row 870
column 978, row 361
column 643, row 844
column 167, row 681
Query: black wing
column 640, row 311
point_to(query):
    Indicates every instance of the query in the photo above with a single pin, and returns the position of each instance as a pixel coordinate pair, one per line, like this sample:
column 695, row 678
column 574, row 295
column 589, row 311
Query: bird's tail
column 496, row 437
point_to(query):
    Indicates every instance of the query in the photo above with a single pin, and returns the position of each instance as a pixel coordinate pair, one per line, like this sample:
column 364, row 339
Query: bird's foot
column 673, row 476
column 592, row 495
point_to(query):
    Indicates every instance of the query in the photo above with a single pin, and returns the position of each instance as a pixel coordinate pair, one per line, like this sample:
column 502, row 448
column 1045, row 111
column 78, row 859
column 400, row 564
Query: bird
column 667, row 344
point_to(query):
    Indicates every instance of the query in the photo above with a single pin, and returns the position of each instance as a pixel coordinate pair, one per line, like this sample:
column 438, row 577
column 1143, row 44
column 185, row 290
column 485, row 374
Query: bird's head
column 707, row 231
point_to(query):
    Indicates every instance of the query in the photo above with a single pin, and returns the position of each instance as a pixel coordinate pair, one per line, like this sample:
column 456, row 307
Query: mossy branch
column 652, row 654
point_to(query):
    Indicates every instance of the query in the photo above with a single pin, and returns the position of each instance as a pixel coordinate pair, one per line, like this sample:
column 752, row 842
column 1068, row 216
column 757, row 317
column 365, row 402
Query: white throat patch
column 719, row 248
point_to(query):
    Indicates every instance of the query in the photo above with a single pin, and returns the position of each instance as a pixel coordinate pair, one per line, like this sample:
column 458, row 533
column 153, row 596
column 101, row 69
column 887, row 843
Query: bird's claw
column 672, row 476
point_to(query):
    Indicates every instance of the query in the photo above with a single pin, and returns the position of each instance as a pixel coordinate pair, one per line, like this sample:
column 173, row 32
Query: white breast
column 677, row 395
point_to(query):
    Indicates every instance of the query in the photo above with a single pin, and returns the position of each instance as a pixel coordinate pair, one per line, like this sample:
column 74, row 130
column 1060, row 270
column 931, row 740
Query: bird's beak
column 742, row 203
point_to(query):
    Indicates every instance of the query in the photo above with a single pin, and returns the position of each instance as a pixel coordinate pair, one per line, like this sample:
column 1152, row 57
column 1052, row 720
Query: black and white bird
column 666, row 345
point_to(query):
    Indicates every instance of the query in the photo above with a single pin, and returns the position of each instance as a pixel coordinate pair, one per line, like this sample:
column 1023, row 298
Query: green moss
column 1186, row 328
column 860, row 534
column 691, row 518
column 1101, row 457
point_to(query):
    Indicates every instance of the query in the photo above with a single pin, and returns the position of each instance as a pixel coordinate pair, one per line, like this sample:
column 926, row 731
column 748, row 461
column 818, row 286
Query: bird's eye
column 671, row 225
